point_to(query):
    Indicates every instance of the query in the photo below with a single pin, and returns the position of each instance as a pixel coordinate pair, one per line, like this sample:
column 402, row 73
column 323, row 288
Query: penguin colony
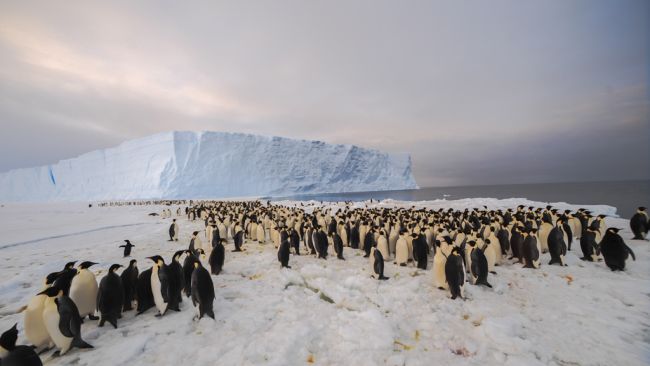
column 467, row 246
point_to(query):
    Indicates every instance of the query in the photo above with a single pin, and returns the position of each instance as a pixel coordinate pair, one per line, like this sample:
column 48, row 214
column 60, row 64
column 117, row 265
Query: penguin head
column 472, row 243
column 641, row 209
column 177, row 255
column 8, row 338
column 127, row 241
column 69, row 265
column 114, row 268
column 86, row 265
column 133, row 263
column 157, row 259
column 51, row 292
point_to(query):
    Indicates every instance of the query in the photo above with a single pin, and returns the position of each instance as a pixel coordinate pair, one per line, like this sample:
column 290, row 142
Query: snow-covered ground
column 331, row 312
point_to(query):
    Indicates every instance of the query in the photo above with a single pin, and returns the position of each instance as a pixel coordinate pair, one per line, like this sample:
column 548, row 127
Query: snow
column 209, row 164
column 331, row 311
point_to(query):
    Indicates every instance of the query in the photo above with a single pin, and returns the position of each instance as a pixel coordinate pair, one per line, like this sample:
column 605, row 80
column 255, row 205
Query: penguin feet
column 56, row 353
column 92, row 317
column 493, row 272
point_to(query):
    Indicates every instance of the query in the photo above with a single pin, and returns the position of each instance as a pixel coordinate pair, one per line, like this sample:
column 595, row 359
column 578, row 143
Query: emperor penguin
column 217, row 257
column 382, row 245
column 544, row 230
column 261, row 235
column 439, row 262
column 378, row 264
column 494, row 246
column 639, row 224
column 160, row 284
column 455, row 274
column 12, row 355
column 127, row 248
column 531, row 249
column 589, row 245
column 175, row 281
column 420, row 250
column 62, row 321
column 392, row 239
column 479, row 266
column 202, row 290
column 517, row 244
column 110, row 298
column 614, row 250
column 129, row 279
column 188, row 268
column 83, row 290
column 401, row 251
column 337, row 243
column 173, row 231
column 557, row 247
column 283, row 253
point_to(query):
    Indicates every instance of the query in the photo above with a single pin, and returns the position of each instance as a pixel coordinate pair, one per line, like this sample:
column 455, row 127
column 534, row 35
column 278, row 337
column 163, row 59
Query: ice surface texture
column 209, row 165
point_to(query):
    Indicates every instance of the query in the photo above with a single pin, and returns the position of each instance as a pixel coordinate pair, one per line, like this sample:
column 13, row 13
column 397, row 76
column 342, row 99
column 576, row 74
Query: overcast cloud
column 477, row 92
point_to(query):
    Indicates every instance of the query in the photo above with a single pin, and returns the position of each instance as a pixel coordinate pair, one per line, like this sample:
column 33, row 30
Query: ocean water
column 626, row 196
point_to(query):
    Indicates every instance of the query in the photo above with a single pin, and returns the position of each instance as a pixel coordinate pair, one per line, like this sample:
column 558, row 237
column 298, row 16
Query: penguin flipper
column 631, row 252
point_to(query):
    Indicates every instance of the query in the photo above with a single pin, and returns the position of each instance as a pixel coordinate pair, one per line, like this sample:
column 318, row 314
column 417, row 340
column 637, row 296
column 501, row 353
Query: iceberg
column 186, row 165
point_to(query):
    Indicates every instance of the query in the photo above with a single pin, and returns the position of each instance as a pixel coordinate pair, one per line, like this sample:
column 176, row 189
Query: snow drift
column 209, row 165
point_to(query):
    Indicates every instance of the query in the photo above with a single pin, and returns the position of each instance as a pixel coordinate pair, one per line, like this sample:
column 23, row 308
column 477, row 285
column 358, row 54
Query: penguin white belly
column 439, row 277
column 495, row 247
column 83, row 291
column 222, row 231
column 409, row 243
column 344, row 238
column 260, row 234
column 544, row 230
column 208, row 234
column 489, row 255
column 35, row 329
column 392, row 241
column 401, row 251
column 161, row 305
column 382, row 245
column 51, row 320
column 371, row 259
column 253, row 233
column 198, row 243
column 468, row 259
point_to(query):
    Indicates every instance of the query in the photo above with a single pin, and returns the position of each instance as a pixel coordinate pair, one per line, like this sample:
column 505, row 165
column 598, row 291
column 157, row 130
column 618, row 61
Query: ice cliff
column 209, row 165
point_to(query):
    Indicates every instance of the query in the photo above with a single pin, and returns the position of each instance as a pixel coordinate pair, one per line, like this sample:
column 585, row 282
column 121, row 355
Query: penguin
column 401, row 251
column 62, row 321
column 83, row 290
column 557, row 244
column 489, row 251
column 544, row 229
column 238, row 238
column 517, row 244
column 173, row 231
column 382, row 245
column 378, row 265
column 639, row 224
column 202, row 290
column 455, row 273
column 479, row 266
column 614, row 250
column 217, row 257
column 129, row 279
column 531, row 249
column 337, row 243
column 176, row 281
column 33, row 323
column 368, row 242
column 589, row 246
column 12, row 355
column 188, row 268
column 504, row 240
column 160, row 284
column 294, row 241
column 320, row 243
column 283, row 253
column 420, row 250
column 110, row 297
column 216, row 237
column 144, row 293
column 261, row 234
column 127, row 248
column 439, row 263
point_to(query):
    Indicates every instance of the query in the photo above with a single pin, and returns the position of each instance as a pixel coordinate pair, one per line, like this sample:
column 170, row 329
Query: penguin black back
column 110, row 297
column 378, row 265
column 130, row 284
column 176, row 281
column 202, row 290
column 614, row 250
column 217, row 257
column 144, row 293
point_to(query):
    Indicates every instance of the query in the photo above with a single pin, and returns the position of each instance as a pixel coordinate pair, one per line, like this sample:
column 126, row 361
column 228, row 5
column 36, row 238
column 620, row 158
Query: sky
column 485, row 92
